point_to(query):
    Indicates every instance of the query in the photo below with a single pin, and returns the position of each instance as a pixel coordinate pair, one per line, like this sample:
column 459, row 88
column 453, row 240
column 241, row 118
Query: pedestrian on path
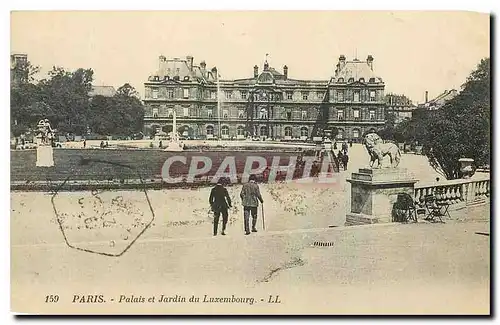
column 250, row 197
column 220, row 202
column 345, row 160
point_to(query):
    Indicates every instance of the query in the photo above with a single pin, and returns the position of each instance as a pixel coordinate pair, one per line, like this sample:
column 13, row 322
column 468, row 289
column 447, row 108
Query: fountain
column 174, row 143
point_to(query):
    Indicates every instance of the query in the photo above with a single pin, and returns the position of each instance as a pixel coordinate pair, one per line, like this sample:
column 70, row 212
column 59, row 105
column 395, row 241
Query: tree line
column 63, row 98
column 459, row 129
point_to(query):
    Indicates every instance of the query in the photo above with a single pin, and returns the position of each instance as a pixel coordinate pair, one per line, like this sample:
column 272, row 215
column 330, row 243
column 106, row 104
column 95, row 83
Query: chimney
column 255, row 71
column 203, row 65
column 341, row 61
column 163, row 58
column 189, row 59
column 214, row 73
column 337, row 69
column 426, row 96
column 369, row 60
column 285, row 72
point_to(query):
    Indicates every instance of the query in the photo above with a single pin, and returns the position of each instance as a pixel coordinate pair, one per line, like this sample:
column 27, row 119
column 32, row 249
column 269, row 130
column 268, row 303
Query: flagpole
column 218, row 104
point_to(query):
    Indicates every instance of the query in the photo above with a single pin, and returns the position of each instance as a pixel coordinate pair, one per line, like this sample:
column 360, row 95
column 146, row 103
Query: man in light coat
column 250, row 197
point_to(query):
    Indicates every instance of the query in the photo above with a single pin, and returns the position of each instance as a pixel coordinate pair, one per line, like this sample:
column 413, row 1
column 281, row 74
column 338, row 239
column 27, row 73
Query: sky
column 413, row 51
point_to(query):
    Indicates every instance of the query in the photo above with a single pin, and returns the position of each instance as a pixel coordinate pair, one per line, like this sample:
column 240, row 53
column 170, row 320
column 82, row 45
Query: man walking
column 220, row 201
column 345, row 160
column 250, row 197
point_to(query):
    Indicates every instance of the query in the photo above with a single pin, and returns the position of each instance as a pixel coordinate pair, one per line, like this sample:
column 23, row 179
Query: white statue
column 378, row 150
column 44, row 150
column 174, row 143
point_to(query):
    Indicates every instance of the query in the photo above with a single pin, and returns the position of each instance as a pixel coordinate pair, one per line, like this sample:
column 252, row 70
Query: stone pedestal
column 373, row 193
column 173, row 146
column 44, row 156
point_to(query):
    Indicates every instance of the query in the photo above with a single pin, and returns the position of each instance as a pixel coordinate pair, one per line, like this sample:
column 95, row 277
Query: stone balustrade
column 458, row 192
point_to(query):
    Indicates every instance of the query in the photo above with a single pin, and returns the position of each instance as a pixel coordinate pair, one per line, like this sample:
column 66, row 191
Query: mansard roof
column 182, row 68
column 355, row 70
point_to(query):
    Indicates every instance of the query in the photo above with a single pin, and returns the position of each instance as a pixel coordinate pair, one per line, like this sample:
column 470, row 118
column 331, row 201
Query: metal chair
column 433, row 208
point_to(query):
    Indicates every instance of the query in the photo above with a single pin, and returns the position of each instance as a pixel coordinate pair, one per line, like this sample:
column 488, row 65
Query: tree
column 390, row 132
column 128, row 91
column 100, row 118
column 24, row 72
column 120, row 115
column 67, row 94
column 461, row 128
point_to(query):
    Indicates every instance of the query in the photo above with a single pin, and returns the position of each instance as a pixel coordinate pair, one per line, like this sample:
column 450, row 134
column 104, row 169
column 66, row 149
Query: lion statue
column 377, row 150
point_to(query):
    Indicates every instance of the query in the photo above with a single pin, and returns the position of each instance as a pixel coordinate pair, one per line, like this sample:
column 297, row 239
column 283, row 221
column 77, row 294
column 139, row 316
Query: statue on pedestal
column 44, row 133
column 45, row 139
column 174, row 143
column 377, row 150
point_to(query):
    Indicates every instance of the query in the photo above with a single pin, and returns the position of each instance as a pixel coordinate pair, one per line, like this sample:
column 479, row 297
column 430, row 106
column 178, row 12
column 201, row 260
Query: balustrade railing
column 457, row 193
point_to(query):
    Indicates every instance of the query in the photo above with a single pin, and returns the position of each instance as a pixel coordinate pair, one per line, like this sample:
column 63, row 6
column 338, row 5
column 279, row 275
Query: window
column 340, row 96
column 210, row 130
column 356, row 114
column 289, row 95
column 372, row 80
column 263, row 131
column 186, row 78
column 305, row 95
column 186, row 92
column 320, row 95
column 340, row 80
column 185, row 111
column 372, row 95
column 210, row 112
column 229, row 94
column 304, row 115
column 170, row 93
column 240, row 130
column 340, row 134
column 225, row 114
column 241, row 114
column 355, row 133
column 225, row 130
column 155, row 111
column 362, row 80
column 351, row 80
column 263, row 113
column 356, row 96
column 372, row 115
column 340, row 115
column 243, row 95
column 156, row 78
column 170, row 113
column 289, row 115
column 154, row 93
column 288, row 131
column 304, row 132
column 213, row 95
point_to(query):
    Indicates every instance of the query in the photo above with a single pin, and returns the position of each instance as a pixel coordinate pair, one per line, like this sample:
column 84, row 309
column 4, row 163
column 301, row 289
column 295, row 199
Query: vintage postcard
column 258, row 162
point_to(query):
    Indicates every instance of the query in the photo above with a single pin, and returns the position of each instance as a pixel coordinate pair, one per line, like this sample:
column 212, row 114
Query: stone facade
column 399, row 105
column 18, row 71
column 269, row 104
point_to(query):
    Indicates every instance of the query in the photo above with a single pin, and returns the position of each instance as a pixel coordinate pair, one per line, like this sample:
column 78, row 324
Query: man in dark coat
column 250, row 197
column 220, row 201
column 345, row 160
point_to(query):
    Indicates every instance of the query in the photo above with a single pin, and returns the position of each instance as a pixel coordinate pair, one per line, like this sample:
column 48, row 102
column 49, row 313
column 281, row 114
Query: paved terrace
column 389, row 268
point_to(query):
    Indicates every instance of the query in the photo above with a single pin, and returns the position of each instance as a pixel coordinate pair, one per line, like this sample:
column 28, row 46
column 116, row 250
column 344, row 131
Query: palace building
column 269, row 104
